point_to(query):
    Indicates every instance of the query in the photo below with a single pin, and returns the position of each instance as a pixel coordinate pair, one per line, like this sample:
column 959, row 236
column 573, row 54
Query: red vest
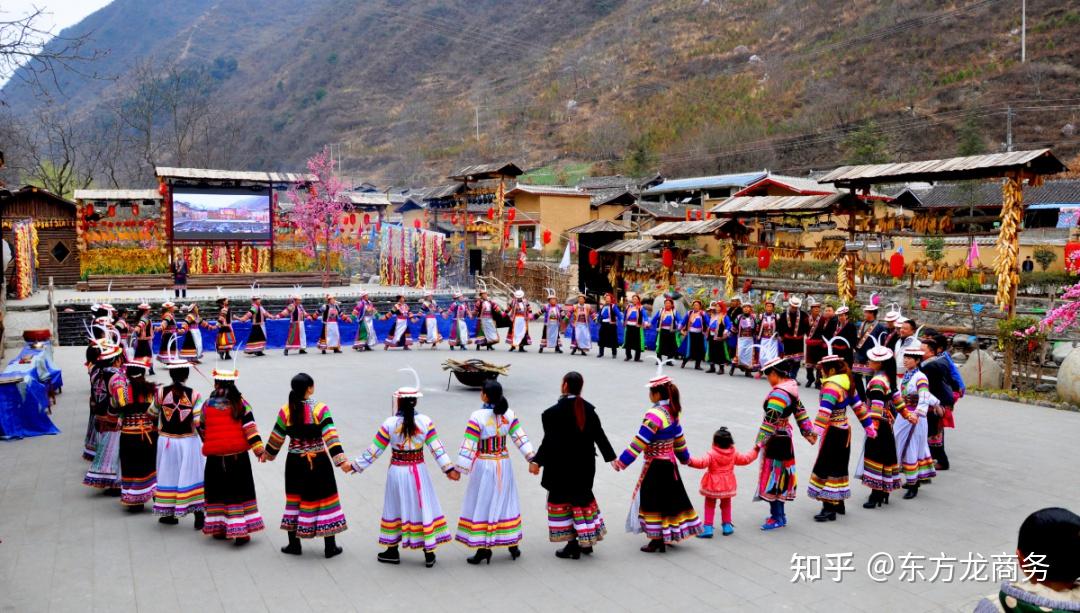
column 224, row 435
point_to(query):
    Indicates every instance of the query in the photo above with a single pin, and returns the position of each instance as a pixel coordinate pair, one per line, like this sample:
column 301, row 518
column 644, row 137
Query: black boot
column 481, row 555
column 731, row 373
column 614, row 353
column 912, row 491
column 331, row 547
column 712, row 368
column 390, row 556
column 697, row 364
column 874, row 501
column 200, row 520
column 429, row 559
column 839, row 508
column 826, row 514
column 654, row 546
column 558, row 350
column 684, row 363
column 637, row 356
column 515, row 552
column 293, row 548
column 572, row 551
column 168, row 520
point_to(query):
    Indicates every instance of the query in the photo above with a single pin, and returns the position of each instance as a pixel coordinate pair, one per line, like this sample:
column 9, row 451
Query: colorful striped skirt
column 330, row 337
column 104, row 471
column 878, row 467
column 913, row 451
column 181, row 467
column 570, row 520
column 297, row 338
column 664, row 511
column 256, row 341
column 226, row 339
column 231, row 508
column 829, row 480
column 312, row 506
column 491, row 514
column 412, row 517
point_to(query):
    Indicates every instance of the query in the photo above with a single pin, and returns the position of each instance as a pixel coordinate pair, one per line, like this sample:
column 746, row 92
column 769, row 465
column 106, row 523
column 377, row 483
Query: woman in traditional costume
column 609, row 317
column 297, row 338
column 487, row 335
column 191, row 329
column 225, row 339
column 567, row 454
column 829, row 480
column 660, row 507
column 138, row 441
column 717, row 337
column 412, row 517
column 229, row 432
column 694, row 326
column 666, row 323
column 167, row 327
column 553, row 319
column 110, row 392
column 458, row 312
column 181, row 466
column 878, row 467
column 144, row 337
column 256, row 341
column 364, row 313
column 429, row 310
column 519, row 312
column 93, row 368
column 491, row 515
column 634, row 322
column 399, row 335
column 581, row 316
column 768, row 339
column 916, row 460
column 745, row 325
column 777, row 480
column 312, row 506
column 329, row 315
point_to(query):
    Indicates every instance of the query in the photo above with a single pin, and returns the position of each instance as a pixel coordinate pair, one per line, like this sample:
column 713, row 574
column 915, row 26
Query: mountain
column 407, row 90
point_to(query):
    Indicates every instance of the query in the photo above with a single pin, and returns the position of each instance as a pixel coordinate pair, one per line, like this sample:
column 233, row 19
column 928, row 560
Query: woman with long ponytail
column 491, row 515
column 660, row 507
column 412, row 517
column 312, row 506
column 572, row 435
column 180, row 462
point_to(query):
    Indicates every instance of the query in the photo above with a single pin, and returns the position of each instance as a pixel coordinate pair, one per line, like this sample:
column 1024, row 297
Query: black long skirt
column 718, row 352
column 256, row 341
column 231, row 508
column 881, row 468
column 666, row 347
column 609, row 335
column 633, row 339
column 312, row 506
column 829, row 480
column 665, row 512
column 143, row 349
column 138, row 467
column 695, row 346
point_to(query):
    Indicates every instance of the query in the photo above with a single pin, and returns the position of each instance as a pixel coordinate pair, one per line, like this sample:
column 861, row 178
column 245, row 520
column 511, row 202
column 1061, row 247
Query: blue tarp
column 24, row 402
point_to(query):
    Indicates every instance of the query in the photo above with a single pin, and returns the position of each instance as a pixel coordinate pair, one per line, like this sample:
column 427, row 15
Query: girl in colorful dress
column 633, row 329
column 519, row 312
column 487, row 335
column 191, row 328
column 666, row 322
column 93, row 351
column 572, row 436
column 229, row 432
column 609, row 317
column 329, row 314
column 777, row 479
column 430, row 311
column 694, row 326
column 109, row 393
column 181, row 466
column 225, row 340
column 660, row 507
column 399, row 336
column 256, row 341
column 912, row 447
column 746, row 326
column 829, row 480
column 768, row 339
column 459, row 328
column 717, row 335
column 878, row 467
column 412, row 517
column 138, row 441
column 312, row 506
column 491, row 515
column 718, row 482
column 297, row 338
column 364, row 314
column 581, row 315
column 144, row 337
column 167, row 327
column 553, row 318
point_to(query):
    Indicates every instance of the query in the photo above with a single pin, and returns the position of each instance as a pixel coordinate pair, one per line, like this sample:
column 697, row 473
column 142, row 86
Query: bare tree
column 55, row 153
column 29, row 52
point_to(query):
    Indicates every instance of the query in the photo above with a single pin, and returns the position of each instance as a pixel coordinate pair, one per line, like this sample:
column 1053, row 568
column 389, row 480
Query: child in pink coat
column 718, row 482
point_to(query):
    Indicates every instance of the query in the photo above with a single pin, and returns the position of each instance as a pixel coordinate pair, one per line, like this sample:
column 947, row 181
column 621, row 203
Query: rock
column 963, row 341
column 1068, row 130
column 756, row 59
column 1068, row 378
column 742, row 50
column 1045, row 388
column 959, row 358
column 991, row 374
column 1061, row 351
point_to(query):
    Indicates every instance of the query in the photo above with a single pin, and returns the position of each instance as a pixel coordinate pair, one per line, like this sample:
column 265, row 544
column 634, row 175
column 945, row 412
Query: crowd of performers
column 185, row 454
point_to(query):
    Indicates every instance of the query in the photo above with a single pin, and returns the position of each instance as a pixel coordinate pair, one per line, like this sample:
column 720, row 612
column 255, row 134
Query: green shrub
column 970, row 285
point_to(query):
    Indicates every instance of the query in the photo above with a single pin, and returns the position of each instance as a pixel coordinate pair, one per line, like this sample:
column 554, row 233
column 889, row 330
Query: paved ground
column 64, row 547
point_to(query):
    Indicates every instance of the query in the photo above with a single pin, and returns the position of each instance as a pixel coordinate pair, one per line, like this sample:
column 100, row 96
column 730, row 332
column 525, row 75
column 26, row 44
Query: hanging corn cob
column 728, row 267
column 1008, row 242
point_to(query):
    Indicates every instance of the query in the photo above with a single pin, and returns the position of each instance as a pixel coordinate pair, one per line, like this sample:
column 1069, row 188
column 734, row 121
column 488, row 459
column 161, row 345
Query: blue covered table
column 27, row 386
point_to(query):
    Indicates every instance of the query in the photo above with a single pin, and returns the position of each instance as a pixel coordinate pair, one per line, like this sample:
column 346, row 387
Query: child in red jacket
column 718, row 482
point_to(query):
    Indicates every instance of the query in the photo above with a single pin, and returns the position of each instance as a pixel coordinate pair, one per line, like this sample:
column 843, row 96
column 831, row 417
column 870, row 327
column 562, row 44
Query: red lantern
column 594, row 258
column 416, row 223
column 352, row 219
column 896, row 265
column 367, row 219
column 511, row 214
column 547, row 236
column 668, row 258
column 491, row 212
column 688, row 214
column 163, row 189
column 924, row 303
column 134, row 210
column 112, row 210
column 453, row 219
column 764, row 258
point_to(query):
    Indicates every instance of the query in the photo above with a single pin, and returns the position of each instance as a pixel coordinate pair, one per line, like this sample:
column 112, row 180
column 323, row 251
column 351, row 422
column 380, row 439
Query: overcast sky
column 59, row 14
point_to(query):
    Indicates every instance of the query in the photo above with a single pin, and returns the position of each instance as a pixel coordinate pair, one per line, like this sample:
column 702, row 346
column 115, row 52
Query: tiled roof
column 546, row 190
column 711, row 182
column 487, row 171
column 598, row 225
column 1039, row 161
column 117, row 194
column 988, row 194
column 630, row 245
column 738, row 205
column 666, row 210
column 601, row 197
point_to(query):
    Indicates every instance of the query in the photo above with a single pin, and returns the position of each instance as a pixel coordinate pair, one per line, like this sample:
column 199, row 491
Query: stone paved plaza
column 65, row 547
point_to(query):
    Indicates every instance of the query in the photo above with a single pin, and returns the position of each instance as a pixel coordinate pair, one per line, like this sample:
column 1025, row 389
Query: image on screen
column 220, row 214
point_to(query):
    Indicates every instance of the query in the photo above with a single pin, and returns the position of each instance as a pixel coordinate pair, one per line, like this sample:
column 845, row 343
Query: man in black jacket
column 939, row 377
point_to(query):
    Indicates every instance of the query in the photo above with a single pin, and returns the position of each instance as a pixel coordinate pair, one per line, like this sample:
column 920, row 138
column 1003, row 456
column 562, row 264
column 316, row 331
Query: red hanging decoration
column 367, row 219
column 764, row 258
column 491, row 212
column 924, row 303
column 112, row 210
column 134, row 210
column 594, row 258
column 453, row 219
column 511, row 214
column 668, row 258
column 163, row 188
column 547, row 236
column 896, row 265
column 416, row 223
column 688, row 214
column 352, row 219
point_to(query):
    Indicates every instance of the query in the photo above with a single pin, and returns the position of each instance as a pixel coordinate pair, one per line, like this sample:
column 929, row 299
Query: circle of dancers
column 185, row 454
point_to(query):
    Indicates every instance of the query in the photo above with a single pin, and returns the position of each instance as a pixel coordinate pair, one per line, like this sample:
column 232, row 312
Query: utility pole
column 1023, row 32
column 1008, row 129
column 477, row 109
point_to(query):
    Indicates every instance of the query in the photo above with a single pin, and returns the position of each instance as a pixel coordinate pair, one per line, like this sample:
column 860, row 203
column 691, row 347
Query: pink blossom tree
column 1061, row 318
column 317, row 207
